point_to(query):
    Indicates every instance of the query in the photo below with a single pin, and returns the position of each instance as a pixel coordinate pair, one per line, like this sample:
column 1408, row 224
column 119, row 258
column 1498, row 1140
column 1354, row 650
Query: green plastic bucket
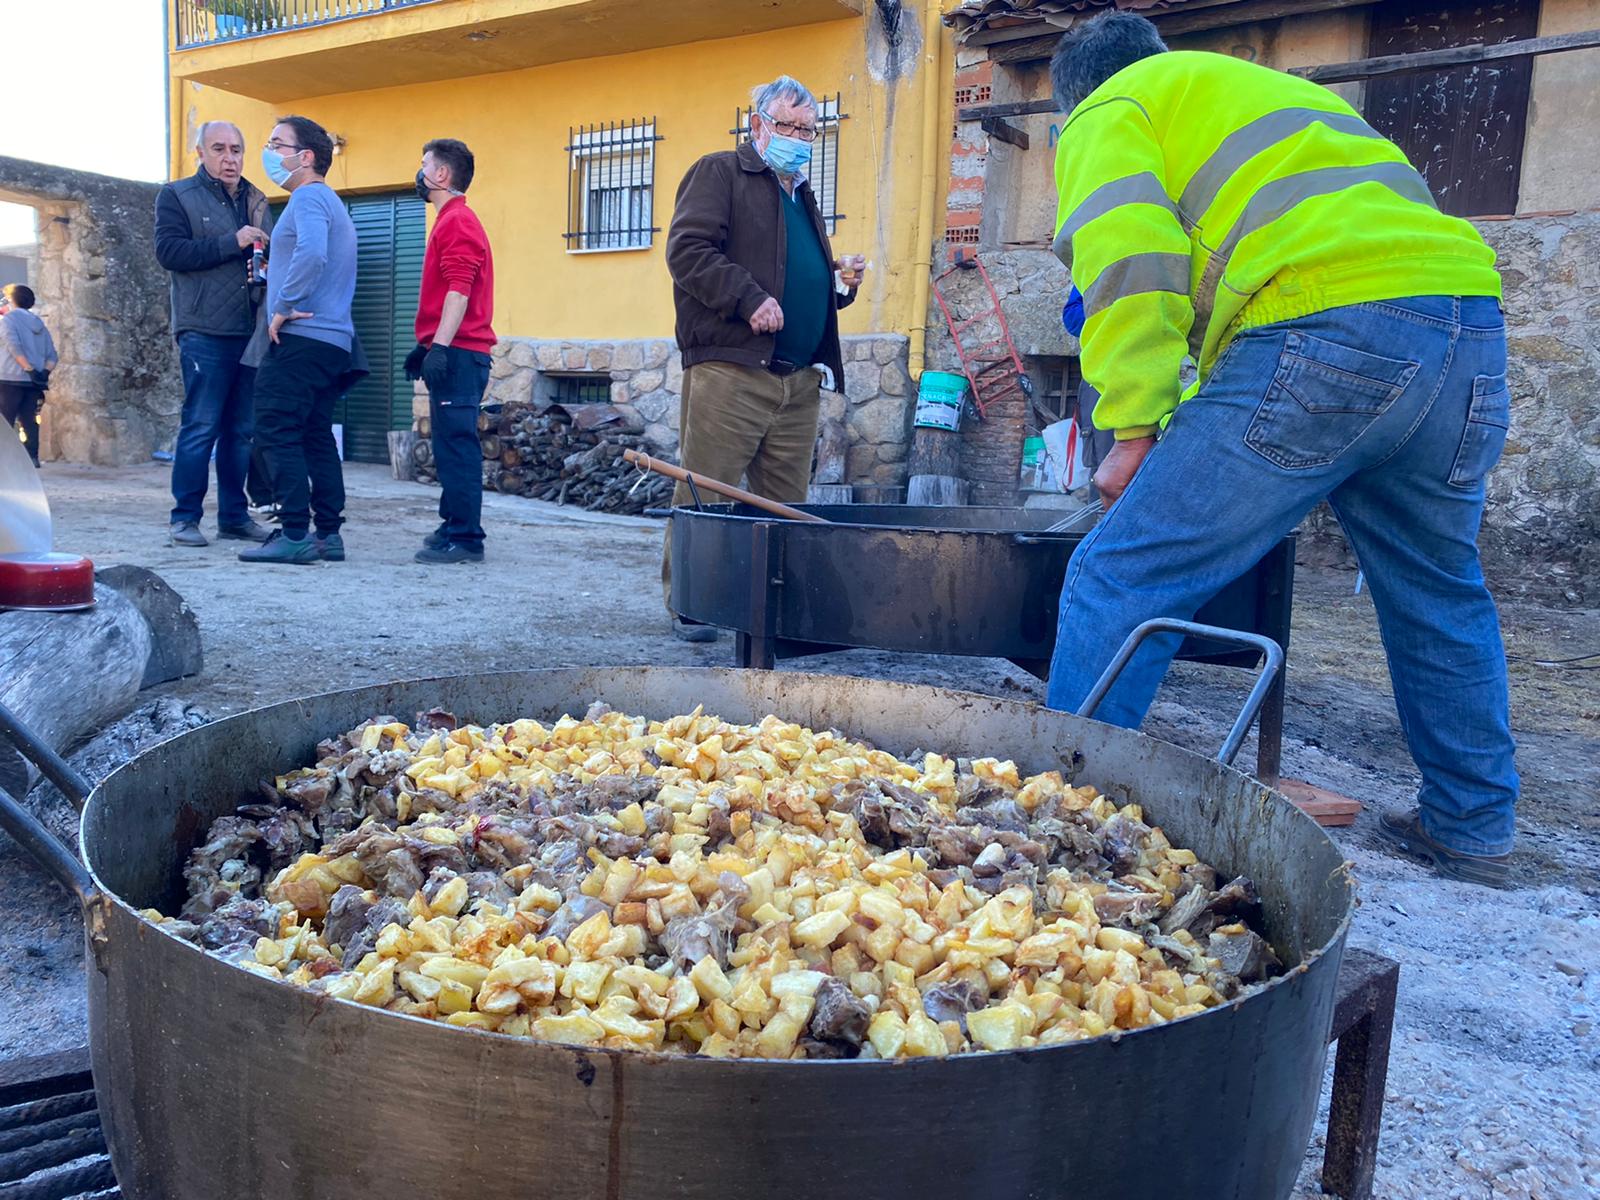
column 939, row 397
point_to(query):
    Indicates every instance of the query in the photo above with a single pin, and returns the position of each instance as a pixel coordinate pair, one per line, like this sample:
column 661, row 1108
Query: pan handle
column 54, row 768
column 1270, row 650
column 46, row 849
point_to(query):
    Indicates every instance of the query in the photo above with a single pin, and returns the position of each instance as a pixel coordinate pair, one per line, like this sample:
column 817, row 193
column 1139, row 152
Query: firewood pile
column 566, row 453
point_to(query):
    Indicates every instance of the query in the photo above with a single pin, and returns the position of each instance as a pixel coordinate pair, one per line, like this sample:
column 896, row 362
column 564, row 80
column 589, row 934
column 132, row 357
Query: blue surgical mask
column 272, row 164
column 787, row 155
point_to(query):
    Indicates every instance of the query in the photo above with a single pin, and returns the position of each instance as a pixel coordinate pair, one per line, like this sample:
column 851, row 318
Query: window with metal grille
column 611, row 185
column 579, row 389
column 824, row 170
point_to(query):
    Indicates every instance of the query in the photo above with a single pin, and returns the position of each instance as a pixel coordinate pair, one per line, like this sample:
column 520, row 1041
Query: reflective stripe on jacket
column 1201, row 195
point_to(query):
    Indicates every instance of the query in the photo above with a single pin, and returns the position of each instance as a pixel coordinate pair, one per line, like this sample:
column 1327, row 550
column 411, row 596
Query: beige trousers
column 740, row 422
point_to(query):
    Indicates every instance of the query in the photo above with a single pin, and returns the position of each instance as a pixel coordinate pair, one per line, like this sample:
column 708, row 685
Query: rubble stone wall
column 116, row 395
column 647, row 377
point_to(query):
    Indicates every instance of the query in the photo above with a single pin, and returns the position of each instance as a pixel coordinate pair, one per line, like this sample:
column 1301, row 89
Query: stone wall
column 116, row 395
column 647, row 377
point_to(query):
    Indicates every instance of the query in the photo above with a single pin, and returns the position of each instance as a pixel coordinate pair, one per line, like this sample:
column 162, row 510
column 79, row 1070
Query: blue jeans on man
column 217, row 415
column 1394, row 412
column 457, row 450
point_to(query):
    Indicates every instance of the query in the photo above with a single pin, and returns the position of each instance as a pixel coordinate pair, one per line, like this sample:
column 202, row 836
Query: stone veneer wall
column 116, row 395
column 647, row 379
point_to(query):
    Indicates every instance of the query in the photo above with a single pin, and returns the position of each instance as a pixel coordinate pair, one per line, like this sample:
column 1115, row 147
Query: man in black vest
column 206, row 228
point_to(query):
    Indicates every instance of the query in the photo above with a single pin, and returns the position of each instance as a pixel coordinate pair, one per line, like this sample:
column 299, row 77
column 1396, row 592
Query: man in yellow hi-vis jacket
column 1350, row 347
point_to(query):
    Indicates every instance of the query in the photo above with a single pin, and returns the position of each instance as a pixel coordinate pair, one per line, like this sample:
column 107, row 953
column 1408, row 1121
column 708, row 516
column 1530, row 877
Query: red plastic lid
column 51, row 582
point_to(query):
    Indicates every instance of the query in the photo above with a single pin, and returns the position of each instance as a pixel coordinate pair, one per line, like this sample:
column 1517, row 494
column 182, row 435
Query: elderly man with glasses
column 758, row 293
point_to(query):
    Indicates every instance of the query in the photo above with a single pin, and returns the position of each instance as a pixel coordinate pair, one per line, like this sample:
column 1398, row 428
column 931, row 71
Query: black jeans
column 296, row 389
column 19, row 405
column 457, row 452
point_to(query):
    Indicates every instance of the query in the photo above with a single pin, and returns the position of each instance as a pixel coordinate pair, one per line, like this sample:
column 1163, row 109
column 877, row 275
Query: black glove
column 414, row 362
column 40, row 378
column 436, row 369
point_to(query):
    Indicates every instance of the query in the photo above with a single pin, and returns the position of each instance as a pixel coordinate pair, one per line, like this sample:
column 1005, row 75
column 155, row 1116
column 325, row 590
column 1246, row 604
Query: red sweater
column 458, row 260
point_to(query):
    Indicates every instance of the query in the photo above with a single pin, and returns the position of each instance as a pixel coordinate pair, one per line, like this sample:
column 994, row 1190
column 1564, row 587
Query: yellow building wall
column 517, row 123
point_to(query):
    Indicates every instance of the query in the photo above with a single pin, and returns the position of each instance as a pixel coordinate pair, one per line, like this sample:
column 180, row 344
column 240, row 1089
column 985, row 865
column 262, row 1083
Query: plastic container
column 47, row 582
column 939, row 398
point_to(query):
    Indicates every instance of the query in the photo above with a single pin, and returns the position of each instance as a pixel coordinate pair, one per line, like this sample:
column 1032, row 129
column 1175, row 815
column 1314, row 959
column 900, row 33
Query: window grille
column 580, row 389
column 824, row 170
column 611, row 185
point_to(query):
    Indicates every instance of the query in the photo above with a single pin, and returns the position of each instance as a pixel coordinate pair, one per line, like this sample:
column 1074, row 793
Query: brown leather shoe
column 1405, row 831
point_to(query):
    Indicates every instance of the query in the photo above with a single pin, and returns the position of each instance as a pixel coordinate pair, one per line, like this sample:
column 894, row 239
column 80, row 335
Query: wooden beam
column 1455, row 56
column 1023, row 50
column 997, row 127
column 1190, row 20
column 988, row 112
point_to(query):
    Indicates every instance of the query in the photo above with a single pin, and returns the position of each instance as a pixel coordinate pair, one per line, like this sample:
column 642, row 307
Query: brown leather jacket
column 726, row 252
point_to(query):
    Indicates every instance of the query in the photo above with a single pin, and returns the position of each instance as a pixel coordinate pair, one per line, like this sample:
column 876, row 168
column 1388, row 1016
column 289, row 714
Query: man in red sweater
column 454, row 338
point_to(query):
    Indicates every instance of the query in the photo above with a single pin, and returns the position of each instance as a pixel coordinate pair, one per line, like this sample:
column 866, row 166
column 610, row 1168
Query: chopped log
column 833, row 444
column 489, row 443
column 402, row 453
column 422, row 453
column 830, row 493
column 937, row 489
column 934, row 452
column 67, row 674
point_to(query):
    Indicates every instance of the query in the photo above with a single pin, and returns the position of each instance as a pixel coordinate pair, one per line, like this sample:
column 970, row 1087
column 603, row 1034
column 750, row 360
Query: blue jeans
column 1393, row 412
column 457, row 451
column 217, row 414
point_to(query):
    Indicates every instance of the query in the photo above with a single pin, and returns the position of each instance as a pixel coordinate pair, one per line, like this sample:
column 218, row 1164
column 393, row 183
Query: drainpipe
column 932, row 122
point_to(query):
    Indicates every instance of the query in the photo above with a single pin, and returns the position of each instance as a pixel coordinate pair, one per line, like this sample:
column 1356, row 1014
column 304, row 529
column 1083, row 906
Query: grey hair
column 205, row 128
column 784, row 87
column 1092, row 52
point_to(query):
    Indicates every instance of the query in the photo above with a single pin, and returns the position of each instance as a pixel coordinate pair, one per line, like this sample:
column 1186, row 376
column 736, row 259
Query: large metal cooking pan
column 214, row 1082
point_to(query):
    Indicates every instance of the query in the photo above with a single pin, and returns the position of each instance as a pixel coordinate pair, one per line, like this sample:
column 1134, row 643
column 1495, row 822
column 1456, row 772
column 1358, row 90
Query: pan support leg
column 1363, row 1022
column 758, row 647
column 1275, row 605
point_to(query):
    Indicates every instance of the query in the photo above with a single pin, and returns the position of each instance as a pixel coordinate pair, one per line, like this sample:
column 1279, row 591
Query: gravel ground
column 1495, row 1071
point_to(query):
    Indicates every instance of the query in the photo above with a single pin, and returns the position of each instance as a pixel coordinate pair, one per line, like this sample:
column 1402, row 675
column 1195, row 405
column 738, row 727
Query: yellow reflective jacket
column 1201, row 195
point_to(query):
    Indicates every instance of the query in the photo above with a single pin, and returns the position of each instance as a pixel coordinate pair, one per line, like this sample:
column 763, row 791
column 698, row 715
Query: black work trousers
column 457, row 450
column 19, row 405
column 297, row 386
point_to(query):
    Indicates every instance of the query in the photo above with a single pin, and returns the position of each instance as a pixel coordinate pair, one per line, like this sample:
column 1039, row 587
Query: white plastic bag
column 1063, row 465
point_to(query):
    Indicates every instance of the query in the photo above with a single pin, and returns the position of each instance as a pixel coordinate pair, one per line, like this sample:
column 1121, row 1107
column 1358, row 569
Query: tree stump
column 402, row 456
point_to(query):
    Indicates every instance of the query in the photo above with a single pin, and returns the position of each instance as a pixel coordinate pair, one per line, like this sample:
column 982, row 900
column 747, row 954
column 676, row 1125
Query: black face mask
column 423, row 190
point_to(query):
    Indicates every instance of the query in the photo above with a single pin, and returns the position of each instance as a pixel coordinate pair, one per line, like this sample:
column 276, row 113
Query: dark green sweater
column 807, row 276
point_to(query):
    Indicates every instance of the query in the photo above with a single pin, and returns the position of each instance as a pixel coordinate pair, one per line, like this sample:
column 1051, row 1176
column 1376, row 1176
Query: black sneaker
column 693, row 631
column 450, row 552
column 1405, row 831
column 186, row 533
column 438, row 539
column 281, row 548
column 250, row 531
column 330, row 548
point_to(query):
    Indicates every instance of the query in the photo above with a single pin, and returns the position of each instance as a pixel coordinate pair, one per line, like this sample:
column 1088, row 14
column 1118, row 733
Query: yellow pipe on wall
column 932, row 123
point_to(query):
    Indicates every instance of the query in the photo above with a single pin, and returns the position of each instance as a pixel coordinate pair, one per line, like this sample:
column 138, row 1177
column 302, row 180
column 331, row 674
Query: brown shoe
column 1405, row 831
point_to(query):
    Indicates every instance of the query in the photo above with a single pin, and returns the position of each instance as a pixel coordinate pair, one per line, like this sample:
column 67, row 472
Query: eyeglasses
column 806, row 133
column 281, row 148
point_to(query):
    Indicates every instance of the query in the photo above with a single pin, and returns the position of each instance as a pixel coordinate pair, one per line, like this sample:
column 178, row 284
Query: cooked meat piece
column 954, row 1000
column 597, row 710
column 435, row 718
column 970, row 790
column 997, row 814
column 311, row 792
column 1243, row 953
column 570, row 915
column 228, row 837
column 356, row 918
column 817, row 1048
column 1175, row 952
column 616, row 792
column 505, row 842
column 865, row 806
column 943, row 877
column 840, row 1015
column 719, row 829
column 1200, row 912
column 991, row 861
column 222, row 868
column 239, row 923
column 1184, row 911
column 1201, row 876
column 890, row 814
column 1123, row 838
column 956, row 847
column 390, row 862
column 733, row 888
column 689, row 939
column 615, row 844
column 286, row 833
column 658, row 820
column 1126, row 907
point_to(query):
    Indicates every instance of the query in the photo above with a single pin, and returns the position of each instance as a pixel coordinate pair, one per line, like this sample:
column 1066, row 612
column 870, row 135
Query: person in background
column 1094, row 443
column 207, row 227
column 27, row 356
column 454, row 337
column 308, row 365
column 753, row 280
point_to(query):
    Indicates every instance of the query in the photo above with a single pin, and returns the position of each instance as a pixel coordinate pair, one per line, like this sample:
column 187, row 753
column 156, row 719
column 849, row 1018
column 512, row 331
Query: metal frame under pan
column 214, row 1081
column 981, row 582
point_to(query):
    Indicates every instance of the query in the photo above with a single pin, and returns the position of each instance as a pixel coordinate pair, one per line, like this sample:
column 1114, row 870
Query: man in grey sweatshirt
column 311, row 281
column 27, row 356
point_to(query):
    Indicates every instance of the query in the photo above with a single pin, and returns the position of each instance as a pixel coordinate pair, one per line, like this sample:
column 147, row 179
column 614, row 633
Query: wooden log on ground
column 67, row 674
column 830, row 493
column 489, row 443
column 833, row 444
column 402, row 457
column 937, row 489
column 934, row 452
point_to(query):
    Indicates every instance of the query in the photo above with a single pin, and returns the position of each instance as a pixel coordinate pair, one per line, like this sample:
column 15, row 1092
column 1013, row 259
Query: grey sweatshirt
column 23, row 333
column 313, row 265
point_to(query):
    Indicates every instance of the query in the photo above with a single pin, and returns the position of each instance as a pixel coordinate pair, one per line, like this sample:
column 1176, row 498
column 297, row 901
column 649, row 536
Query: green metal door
column 391, row 234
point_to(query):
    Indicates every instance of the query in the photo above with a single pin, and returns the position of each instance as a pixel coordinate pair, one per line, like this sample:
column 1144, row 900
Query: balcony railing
column 206, row 22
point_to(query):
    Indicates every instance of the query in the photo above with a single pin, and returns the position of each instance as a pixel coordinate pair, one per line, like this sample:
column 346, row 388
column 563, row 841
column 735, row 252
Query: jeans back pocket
column 1322, row 398
column 1488, row 421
